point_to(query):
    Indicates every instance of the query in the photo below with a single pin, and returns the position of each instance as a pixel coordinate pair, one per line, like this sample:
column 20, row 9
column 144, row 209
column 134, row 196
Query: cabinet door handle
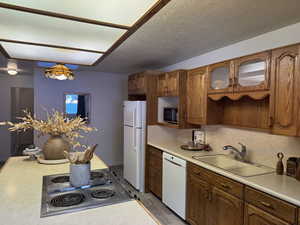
column 209, row 195
column 267, row 205
column 230, row 82
column 206, row 194
column 226, row 186
column 271, row 121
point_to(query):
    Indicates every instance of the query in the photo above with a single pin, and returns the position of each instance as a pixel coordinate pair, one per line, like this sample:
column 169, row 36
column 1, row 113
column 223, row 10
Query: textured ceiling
column 187, row 28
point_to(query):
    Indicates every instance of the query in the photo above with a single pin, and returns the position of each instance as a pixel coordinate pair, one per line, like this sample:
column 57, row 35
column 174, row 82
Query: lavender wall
column 6, row 82
column 107, row 94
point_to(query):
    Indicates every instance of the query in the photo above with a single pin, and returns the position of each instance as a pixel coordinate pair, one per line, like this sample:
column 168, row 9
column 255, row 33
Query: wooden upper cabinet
column 196, row 95
column 172, row 83
column 132, row 84
column 220, row 77
column 285, row 93
column 137, row 84
column 162, row 85
column 168, row 84
column 226, row 209
column 200, row 109
column 251, row 73
column 255, row 216
column 141, row 84
column 245, row 74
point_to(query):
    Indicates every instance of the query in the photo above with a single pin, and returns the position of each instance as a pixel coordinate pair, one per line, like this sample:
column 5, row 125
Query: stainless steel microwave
column 171, row 115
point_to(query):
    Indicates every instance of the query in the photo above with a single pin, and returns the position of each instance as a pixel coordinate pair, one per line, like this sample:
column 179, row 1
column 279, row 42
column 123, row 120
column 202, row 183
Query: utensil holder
column 80, row 174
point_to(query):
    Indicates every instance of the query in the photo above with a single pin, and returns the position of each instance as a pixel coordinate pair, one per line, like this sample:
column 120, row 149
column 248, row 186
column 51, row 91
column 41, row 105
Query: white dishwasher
column 174, row 183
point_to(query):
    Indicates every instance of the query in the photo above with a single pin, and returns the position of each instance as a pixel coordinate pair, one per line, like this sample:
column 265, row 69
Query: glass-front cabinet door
column 252, row 72
column 220, row 78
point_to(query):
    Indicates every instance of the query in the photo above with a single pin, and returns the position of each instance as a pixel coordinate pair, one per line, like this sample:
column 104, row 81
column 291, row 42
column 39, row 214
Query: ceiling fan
column 12, row 68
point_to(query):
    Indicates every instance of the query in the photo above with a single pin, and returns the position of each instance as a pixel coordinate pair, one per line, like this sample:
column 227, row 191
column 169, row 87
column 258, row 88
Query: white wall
column 262, row 146
column 284, row 36
column 6, row 82
column 107, row 94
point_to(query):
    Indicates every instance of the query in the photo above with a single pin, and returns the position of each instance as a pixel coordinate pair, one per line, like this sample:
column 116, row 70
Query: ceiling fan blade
column 45, row 64
column 24, row 71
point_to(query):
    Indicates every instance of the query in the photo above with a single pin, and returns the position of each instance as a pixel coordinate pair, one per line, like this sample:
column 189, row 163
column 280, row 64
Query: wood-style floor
column 164, row 215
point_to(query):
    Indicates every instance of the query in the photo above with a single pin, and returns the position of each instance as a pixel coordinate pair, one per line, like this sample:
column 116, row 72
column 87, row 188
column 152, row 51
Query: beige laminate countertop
column 21, row 191
column 283, row 187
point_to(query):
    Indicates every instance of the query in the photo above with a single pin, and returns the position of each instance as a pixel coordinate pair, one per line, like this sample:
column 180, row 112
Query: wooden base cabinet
column 226, row 209
column 255, row 216
column 198, row 201
column 209, row 205
column 154, row 171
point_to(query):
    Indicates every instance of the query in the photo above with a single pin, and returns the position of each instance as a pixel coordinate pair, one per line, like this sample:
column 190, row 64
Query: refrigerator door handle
column 134, row 129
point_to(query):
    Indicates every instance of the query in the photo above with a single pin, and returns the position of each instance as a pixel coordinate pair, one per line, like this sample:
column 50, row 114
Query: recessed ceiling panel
column 27, row 27
column 38, row 53
column 124, row 12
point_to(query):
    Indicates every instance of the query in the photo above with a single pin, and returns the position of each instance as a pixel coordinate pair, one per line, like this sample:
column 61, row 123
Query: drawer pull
column 206, row 194
column 210, row 196
column 226, row 186
column 267, row 205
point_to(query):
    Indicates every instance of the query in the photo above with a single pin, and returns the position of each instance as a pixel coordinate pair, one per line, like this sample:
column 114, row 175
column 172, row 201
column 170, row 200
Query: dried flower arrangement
column 56, row 124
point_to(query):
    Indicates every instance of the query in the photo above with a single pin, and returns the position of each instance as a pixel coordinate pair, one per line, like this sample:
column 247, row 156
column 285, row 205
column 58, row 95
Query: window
column 77, row 105
column 71, row 104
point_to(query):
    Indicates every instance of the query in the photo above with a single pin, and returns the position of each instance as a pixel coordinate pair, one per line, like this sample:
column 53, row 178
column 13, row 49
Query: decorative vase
column 54, row 147
column 80, row 174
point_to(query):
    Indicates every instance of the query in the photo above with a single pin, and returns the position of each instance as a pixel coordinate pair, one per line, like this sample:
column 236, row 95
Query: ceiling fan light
column 12, row 72
column 61, row 77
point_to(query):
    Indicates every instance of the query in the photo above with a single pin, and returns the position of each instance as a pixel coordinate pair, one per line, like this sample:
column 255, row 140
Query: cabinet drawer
column 199, row 172
column 154, row 151
column 270, row 204
column 229, row 186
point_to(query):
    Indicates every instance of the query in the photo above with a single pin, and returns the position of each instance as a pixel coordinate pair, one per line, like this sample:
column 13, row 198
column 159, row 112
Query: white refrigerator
column 134, row 143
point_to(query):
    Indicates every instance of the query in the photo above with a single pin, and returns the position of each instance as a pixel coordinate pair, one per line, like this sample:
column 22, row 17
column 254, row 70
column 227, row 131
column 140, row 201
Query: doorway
column 21, row 99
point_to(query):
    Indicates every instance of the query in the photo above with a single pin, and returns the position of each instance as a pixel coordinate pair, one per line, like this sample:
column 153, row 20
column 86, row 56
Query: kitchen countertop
column 21, row 191
column 280, row 186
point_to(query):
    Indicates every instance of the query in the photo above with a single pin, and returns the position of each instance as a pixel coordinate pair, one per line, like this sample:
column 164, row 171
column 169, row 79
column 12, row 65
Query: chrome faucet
column 239, row 155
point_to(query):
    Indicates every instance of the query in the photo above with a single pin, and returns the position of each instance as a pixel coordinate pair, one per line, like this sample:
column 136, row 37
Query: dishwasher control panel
column 174, row 159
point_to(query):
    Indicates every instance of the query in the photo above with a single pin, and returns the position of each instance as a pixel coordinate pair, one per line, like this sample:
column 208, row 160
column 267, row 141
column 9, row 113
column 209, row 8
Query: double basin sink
column 244, row 169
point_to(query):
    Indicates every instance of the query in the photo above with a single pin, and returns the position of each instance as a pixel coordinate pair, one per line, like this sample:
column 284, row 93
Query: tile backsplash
column 262, row 147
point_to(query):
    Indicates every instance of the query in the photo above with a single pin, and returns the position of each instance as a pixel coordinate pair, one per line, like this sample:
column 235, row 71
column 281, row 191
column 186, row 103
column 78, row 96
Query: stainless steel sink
column 244, row 169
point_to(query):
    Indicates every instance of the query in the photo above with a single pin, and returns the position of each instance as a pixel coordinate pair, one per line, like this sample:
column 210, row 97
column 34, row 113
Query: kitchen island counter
column 21, row 192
